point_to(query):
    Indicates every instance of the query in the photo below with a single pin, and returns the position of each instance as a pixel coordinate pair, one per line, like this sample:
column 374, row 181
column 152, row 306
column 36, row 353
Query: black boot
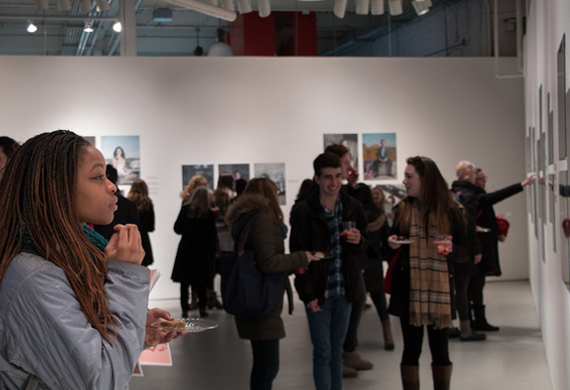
column 480, row 322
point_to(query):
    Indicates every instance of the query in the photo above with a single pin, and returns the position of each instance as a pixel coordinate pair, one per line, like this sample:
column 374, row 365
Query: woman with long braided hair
column 73, row 307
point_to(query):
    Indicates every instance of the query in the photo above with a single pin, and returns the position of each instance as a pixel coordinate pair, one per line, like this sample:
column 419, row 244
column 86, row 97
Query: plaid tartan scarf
column 429, row 278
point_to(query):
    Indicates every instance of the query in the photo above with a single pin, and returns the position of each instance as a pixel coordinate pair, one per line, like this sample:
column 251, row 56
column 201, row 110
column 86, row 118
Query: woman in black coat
column 197, row 225
column 488, row 233
column 139, row 196
column 421, row 286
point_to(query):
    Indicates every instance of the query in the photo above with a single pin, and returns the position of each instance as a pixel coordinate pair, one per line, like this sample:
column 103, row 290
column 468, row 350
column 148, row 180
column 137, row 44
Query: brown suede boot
column 354, row 360
column 410, row 377
column 441, row 376
column 388, row 338
column 348, row 372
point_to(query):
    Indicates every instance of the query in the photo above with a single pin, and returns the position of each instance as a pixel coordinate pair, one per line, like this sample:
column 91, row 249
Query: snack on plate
column 320, row 255
column 176, row 325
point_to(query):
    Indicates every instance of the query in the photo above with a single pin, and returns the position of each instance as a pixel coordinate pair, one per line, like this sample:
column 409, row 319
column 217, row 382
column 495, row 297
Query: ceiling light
column 377, row 7
column 88, row 28
column 32, row 28
column 205, row 8
column 395, row 7
column 42, row 4
column 63, row 5
column 421, row 6
column 339, row 8
column 264, row 8
column 117, row 27
column 362, row 7
column 220, row 48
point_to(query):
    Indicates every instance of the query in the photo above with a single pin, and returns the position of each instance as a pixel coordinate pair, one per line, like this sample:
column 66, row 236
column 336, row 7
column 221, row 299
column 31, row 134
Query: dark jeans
column 462, row 274
column 351, row 341
column 328, row 330
column 476, row 285
column 265, row 364
column 413, row 340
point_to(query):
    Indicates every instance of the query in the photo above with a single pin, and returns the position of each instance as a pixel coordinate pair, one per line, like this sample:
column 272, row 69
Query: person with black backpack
column 257, row 216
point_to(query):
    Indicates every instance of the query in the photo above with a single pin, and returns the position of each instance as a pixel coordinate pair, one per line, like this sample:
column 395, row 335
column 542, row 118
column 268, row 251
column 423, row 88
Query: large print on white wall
column 207, row 171
column 350, row 141
column 379, row 156
column 275, row 172
column 238, row 171
column 123, row 152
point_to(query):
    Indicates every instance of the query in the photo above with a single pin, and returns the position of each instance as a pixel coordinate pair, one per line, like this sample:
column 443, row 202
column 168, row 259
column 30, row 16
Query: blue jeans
column 328, row 331
column 265, row 364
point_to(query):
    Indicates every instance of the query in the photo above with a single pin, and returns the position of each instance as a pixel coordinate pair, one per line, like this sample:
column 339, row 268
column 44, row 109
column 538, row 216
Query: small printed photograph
column 123, row 152
column 275, row 172
column 350, row 141
column 379, row 156
column 189, row 171
column 238, row 171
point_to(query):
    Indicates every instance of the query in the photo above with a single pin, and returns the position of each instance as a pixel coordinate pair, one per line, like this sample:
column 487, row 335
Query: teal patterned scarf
column 96, row 239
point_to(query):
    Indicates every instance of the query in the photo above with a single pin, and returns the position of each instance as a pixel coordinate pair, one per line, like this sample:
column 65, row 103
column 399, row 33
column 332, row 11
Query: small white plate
column 193, row 325
column 402, row 241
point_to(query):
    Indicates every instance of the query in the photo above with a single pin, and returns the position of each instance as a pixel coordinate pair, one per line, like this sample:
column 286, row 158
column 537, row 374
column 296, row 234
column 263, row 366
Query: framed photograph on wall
column 123, row 152
column 550, row 130
column 534, row 187
column 275, row 172
column 238, row 171
column 205, row 170
column 379, row 156
column 562, row 100
column 551, row 189
column 563, row 225
column 350, row 141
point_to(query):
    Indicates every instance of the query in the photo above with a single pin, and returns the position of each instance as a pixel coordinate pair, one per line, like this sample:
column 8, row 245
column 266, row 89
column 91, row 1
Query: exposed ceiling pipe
column 65, row 18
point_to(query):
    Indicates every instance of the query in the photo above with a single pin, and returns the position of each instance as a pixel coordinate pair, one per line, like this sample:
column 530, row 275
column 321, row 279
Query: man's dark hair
column 326, row 160
column 111, row 174
column 339, row 150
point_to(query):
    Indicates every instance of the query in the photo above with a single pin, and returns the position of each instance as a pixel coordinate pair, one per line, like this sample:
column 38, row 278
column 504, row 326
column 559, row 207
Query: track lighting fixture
column 244, row 6
column 85, row 6
column 102, row 5
column 395, row 7
column 362, row 7
column 32, row 28
column 117, row 27
column 88, row 28
column 264, row 8
column 377, row 7
column 42, row 5
column 339, row 8
column 64, row 5
column 421, row 6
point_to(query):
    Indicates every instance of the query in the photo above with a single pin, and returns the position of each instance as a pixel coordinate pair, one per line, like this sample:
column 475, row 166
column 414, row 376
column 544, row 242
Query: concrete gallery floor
column 512, row 358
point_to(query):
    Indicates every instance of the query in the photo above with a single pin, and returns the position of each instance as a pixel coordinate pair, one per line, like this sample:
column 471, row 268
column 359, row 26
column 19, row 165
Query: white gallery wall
column 260, row 110
column 547, row 23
